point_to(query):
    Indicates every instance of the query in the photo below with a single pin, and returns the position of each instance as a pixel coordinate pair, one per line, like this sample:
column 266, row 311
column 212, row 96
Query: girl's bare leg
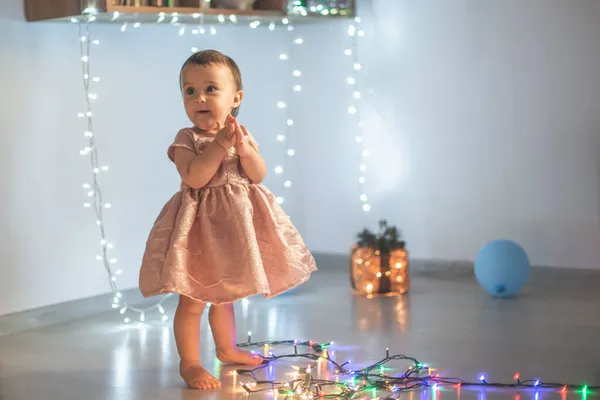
column 222, row 322
column 186, row 327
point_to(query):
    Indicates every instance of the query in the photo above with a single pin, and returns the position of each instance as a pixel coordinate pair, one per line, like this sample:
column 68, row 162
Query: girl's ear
column 237, row 100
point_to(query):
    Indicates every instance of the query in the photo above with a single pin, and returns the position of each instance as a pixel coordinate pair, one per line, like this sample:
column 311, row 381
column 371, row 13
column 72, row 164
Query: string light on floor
column 354, row 32
column 96, row 200
column 295, row 88
column 375, row 380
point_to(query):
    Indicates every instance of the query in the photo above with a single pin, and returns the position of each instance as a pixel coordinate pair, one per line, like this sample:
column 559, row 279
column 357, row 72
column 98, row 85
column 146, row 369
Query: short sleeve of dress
column 183, row 139
column 253, row 142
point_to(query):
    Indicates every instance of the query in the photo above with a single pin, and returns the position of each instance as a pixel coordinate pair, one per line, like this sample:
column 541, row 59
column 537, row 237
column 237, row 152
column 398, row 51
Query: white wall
column 483, row 123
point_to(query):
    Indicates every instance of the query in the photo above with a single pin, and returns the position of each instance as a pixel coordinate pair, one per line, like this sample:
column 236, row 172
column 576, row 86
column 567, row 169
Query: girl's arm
column 197, row 170
column 254, row 166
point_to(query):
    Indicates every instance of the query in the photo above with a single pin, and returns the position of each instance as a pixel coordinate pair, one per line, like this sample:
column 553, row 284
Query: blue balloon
column 502, row 268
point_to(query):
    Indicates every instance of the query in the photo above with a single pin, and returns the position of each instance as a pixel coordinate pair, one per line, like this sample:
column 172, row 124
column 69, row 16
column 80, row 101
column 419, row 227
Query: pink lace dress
column 225, row 241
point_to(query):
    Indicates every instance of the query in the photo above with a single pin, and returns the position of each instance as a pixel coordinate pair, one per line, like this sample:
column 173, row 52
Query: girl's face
column 209, row 95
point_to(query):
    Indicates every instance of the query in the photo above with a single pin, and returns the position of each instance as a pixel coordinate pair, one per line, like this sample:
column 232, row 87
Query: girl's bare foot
column 237, row 356
column 196, row 376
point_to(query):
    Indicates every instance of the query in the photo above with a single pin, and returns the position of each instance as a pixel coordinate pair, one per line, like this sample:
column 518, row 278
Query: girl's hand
column 242, row 146
column 227, row 136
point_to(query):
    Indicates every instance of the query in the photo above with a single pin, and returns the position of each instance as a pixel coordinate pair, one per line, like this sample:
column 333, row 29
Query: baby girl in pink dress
column 223, row 236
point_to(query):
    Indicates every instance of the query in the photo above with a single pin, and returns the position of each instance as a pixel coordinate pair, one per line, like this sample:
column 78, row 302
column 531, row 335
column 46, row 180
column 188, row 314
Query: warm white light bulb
column 363, row 167
column 85, row 59
column 351, row 30
column 174, row 20
column 287, row 184
column 297, row 73
column 137, row 25
column 283, row 56
column 348, row 52
column 142, row 317
column 272, row 26
column 351, row 80
column 281, row 104
column 290, row 122
column 164, row 318
column 107, row 205
column 361, row 179
column 351, row 110
column 233, row 18
column 285, row 21
column 194, row 49
column 127, row 320
column 213, row 30
column 357, row 95
column 182, row 31
column 87, row 205
column 124, row 27
column 123, row 310
column 195, row 31
column 291, row 152
column 279, row 200
column 297, row 88
column 86, row 186
column 361, row 33
column 278, row 169
column 88, row 134
column 299, row 41
column 359, row 139
column 160, row 19
column 366, row 207
column 280, row 138
column 357, row 66
column 363, row 197
column 221, row 18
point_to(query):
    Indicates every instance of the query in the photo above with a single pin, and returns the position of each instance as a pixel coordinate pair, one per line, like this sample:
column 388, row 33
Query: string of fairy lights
column 96, row 200
column 354, row 32
column 376, row 380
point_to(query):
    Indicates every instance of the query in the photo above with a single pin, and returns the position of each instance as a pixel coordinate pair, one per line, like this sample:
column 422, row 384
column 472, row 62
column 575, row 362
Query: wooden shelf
column 187, row 12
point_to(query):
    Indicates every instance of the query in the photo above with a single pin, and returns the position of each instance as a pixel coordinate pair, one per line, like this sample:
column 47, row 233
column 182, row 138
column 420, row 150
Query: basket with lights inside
column 379, row 264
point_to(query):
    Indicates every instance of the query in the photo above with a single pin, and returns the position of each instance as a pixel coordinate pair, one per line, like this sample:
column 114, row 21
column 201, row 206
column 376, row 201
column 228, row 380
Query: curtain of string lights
column 97, row 201
column 354, row 32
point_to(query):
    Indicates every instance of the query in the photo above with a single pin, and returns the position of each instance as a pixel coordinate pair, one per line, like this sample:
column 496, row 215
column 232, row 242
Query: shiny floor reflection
column 550, row 332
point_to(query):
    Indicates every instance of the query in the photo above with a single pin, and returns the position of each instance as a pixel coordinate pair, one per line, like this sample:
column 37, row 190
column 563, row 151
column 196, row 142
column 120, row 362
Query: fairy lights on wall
column 353, row 80
column 96, row 201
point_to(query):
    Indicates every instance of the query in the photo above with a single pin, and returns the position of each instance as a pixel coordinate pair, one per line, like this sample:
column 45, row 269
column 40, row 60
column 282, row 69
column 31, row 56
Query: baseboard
column 62, row 312
column 440, row 269
column 452, row 269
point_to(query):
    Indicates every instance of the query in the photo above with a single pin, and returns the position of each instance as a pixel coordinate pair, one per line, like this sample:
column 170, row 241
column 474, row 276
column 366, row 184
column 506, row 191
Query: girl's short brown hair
column 208, row 57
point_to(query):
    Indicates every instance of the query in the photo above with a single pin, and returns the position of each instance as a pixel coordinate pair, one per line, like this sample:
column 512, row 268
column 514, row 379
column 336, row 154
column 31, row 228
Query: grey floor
column 551, row 332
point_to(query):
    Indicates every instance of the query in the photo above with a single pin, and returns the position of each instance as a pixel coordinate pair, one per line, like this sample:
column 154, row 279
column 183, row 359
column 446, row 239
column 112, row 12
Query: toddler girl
column 222, row 237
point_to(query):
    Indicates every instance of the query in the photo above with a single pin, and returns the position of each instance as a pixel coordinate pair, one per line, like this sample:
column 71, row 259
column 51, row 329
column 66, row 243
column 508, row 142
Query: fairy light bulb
column 278, row 169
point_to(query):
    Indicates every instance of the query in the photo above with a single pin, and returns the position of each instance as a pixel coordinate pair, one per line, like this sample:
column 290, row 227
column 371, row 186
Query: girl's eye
column 190, row 91
column 211, row 89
